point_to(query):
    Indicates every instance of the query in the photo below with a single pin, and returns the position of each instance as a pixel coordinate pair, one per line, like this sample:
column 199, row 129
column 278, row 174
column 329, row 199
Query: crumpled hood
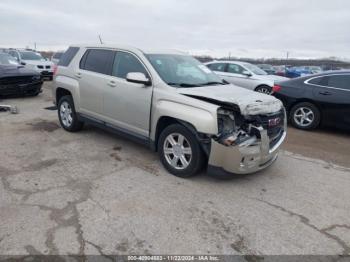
column 14, row 70
column 249, row 102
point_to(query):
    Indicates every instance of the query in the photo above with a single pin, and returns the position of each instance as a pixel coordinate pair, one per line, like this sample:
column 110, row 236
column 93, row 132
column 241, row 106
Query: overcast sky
column 249, row 28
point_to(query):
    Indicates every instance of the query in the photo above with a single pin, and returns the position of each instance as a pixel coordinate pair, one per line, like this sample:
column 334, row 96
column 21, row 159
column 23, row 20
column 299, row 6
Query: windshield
column 253, row 68
column 31, row 56
column 6, row 59
column 182, row 70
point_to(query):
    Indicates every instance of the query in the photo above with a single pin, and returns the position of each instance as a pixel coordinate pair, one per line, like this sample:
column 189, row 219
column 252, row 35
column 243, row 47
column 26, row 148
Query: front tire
column 67, row 115
column 305, row 116
column 180, row 151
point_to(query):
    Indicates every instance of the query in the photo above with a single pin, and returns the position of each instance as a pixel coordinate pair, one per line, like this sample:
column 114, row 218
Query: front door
column 128, row 105
column 333, row 93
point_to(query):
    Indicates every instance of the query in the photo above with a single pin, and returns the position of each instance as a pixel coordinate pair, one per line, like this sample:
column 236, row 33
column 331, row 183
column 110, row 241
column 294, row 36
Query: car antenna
column 99, row 37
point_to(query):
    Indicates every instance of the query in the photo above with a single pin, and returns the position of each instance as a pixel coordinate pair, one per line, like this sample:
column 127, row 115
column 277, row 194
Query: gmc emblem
column 274, row 121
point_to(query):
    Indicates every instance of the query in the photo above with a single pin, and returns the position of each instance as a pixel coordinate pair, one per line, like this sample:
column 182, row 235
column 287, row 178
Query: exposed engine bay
column 235, row 129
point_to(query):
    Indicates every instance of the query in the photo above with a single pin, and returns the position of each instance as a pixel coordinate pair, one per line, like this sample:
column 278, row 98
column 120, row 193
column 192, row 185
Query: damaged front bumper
column 246, row 158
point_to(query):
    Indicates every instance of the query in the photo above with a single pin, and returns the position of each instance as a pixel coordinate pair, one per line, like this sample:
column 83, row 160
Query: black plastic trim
column 116, row 130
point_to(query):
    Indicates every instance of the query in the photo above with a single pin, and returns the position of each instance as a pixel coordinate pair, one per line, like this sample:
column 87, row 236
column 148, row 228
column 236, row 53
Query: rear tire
column 67, row 115
column 180, row 151
column 264, row 89
column 305, row 116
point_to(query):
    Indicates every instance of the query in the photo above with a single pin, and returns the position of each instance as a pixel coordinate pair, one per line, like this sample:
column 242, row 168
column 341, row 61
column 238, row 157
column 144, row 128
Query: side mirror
column 138, row 78
column 22, row 63
column 246, row 73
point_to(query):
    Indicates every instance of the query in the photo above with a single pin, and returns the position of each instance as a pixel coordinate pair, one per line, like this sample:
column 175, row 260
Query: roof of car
column 331, row 72
column 228, row 61
column 132, row 48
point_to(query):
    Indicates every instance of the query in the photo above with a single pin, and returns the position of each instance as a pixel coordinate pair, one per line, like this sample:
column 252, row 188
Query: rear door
column 333, row 94
column 94, row 74
column 128, row 105
column 218, row 68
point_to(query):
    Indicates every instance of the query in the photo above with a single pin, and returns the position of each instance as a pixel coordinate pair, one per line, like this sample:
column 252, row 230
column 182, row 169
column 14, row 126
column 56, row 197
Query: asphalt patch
column 44, row 125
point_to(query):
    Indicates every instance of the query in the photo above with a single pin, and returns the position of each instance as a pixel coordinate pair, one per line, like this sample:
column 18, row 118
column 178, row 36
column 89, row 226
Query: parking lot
column 95, row 193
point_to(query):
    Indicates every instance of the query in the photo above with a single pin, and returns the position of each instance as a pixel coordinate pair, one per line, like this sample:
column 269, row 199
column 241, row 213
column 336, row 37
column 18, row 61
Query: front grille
column 17, row 80
column 47, row 67
column 274, row 132
column 40, row 67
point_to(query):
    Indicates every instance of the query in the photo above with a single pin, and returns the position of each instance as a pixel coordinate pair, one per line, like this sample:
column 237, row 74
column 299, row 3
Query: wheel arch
column 166, row 121
column 60, row 92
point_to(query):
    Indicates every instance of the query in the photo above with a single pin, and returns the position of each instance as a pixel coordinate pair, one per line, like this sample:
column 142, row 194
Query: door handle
column 112, row 83
column 78, row 75
column 325, row 93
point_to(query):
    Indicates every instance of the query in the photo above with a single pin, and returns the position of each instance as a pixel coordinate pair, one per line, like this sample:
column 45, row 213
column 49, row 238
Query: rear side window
column 125, row 63
column 98, row 61
column 68, row 56
column 322, row 81
column 217, row 67
column 339, row 81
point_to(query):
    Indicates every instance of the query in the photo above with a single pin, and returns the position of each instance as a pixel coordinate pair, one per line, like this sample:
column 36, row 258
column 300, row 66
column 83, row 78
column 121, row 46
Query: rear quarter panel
column 293, row 91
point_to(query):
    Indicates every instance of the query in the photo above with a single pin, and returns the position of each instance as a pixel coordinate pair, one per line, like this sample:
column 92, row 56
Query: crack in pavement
column 315, row 161
column 306, row 221
column 99, row 249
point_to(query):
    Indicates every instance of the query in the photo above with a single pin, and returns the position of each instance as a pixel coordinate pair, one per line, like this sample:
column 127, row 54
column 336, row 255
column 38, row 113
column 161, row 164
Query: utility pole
column 285, row 67
column 35, row 46
column 99, row 37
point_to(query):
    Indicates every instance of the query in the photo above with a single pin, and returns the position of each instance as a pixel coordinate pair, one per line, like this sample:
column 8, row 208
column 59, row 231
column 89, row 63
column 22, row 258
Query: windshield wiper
column 182, row 84
column 213, row 83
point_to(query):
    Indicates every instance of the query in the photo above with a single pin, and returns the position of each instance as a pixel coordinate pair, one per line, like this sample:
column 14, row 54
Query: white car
column 245, row 75
column 33, row 60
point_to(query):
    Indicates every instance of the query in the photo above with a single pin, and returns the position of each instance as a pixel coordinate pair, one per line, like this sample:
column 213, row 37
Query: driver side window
column 125, row 63
column 235, row 69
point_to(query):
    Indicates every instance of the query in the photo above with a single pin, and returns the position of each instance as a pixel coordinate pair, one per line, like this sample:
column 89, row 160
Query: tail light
column 276, row 88
column 54, row 69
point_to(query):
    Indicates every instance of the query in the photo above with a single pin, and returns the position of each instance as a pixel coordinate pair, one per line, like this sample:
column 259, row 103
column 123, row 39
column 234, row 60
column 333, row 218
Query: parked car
column 56, row 57
column 313, row 69
column 297, row 71
column 15, row 79
column 317, row 99
column 280, row 70
column 173, row 104
column 269, row 69
column 245, row 75
column 33, row 60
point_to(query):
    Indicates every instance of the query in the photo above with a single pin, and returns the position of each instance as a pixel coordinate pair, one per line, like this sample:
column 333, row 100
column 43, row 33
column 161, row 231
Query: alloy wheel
column 264, row 90
column 66, row 114
column 177, row 151
column 304, row 116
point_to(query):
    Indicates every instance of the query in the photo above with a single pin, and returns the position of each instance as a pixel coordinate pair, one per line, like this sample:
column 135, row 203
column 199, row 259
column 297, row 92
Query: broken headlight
column 231, row 131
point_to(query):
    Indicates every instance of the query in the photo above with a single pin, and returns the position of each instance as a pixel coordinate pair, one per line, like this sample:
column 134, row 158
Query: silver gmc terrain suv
column 173, row 104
